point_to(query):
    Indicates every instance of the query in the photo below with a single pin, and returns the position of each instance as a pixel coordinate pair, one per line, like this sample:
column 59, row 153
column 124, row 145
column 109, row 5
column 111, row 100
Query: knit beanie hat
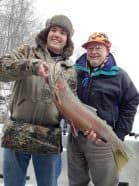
column 62, row 21
column 98, row 37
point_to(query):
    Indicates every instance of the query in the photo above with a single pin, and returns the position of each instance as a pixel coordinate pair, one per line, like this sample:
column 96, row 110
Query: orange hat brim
column 87, row 44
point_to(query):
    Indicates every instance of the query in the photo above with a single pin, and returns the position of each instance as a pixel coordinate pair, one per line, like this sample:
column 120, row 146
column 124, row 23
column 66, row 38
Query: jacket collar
column 109, row 68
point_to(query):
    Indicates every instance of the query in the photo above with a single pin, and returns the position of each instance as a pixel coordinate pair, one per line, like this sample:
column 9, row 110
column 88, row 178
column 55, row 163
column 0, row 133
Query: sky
column 117, row 18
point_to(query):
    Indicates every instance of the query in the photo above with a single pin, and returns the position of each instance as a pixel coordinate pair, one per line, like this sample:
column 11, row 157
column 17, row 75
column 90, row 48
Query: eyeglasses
column 95, row 47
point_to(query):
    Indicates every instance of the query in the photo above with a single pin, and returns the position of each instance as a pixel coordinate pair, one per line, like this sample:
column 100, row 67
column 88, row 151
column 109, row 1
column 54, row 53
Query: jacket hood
column 41, row 40
column 64, row 22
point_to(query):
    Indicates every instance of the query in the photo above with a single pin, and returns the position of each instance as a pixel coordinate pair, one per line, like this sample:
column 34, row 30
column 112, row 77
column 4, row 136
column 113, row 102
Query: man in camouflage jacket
column 33, row 128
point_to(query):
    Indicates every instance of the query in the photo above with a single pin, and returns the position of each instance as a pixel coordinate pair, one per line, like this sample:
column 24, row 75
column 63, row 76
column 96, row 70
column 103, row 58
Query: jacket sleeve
column 18, row 64
column 128, row 103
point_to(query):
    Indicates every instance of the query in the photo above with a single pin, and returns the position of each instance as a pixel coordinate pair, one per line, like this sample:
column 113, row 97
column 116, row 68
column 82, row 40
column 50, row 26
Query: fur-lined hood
column 64, row 22
column 41, row 43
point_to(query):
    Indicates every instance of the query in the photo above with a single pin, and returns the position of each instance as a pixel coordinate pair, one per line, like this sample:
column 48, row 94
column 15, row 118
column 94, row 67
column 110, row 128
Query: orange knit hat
column 98, row 37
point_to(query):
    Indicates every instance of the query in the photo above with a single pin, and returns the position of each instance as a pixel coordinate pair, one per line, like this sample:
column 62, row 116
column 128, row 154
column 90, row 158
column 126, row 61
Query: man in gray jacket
column 33, row 129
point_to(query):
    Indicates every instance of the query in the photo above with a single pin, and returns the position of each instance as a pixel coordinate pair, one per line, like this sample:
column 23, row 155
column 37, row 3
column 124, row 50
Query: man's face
column 96, row 54
column 57, row 39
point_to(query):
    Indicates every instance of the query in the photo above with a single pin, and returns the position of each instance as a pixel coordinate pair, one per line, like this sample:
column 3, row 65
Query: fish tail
column 122, row 156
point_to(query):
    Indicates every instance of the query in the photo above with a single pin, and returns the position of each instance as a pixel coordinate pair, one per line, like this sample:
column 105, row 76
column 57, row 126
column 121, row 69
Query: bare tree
column 17, row 23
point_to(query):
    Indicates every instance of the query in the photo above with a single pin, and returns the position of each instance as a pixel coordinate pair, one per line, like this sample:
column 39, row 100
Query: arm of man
column 127, row 108
column 18, row 64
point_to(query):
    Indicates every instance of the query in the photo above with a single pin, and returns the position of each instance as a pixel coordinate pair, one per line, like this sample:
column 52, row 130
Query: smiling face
column 57, row 39
column 96, row 54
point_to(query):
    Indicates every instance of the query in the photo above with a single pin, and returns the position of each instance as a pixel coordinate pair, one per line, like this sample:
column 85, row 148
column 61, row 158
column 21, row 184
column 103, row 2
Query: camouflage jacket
column 31, row 99
column 34, row 127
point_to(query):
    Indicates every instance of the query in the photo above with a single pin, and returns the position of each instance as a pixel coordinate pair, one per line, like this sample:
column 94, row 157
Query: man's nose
column 93, row 50
column 57, row 33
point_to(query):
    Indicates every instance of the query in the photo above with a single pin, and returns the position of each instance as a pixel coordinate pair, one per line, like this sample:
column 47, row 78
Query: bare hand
column 92, row 136
column 42, row 70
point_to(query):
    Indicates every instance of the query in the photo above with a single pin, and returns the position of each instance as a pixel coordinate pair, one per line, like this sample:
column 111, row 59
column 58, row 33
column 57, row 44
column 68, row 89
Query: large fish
column 82, row 116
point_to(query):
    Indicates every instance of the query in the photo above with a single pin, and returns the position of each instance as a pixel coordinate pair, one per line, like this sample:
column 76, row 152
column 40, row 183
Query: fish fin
column 74, row 129
column 94, row 110
column 57, row 97
column 122, row 157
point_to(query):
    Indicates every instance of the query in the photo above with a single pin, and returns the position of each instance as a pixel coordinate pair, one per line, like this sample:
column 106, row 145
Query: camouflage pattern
column 31, row 101
column 27, row 137
column 98, row 37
